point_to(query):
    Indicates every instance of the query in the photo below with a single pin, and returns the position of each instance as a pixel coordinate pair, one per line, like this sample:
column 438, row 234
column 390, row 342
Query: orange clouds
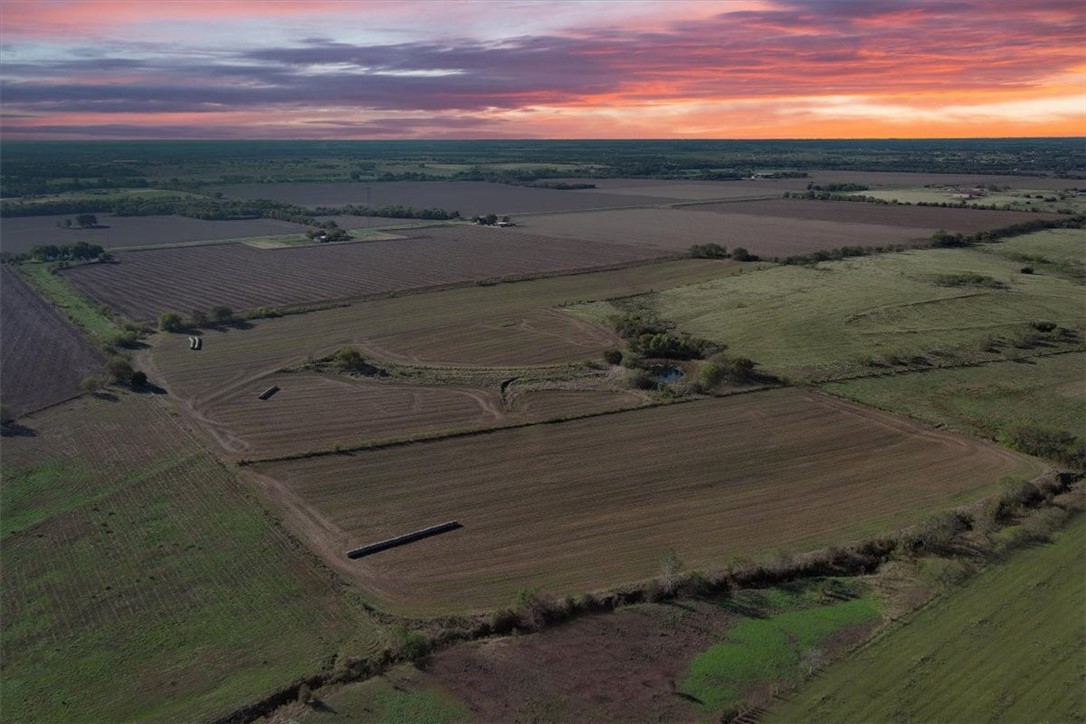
column 758, row 69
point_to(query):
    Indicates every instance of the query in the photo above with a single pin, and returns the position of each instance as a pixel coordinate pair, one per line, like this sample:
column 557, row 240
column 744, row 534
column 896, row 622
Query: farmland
column 925, row 219
column 313, row 412
column 1058, row 247
column 20, row 234
column 675, row 230
column 141, row 581
column 43, row 358
column 1007, row 647
column 143, row 284
column 233, row 355
column 707, row 481
column 871, row 314
column 467, row 197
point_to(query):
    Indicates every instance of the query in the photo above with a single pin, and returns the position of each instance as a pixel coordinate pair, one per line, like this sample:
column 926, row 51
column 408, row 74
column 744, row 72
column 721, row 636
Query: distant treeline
column 812, row 194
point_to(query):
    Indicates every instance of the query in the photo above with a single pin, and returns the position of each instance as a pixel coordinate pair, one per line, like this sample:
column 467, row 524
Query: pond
column 666, row 373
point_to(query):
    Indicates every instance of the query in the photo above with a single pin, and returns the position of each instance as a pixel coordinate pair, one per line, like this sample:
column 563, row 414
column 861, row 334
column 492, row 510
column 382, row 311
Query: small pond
column 666, row 373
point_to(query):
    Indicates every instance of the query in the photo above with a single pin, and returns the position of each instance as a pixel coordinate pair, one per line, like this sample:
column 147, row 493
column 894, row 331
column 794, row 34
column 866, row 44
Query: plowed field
column 315, row 412
column 926, row 218
column 143, row 284
column 467, row 197
column 675, row 230
column 603, row 498
column 117, row 232
column 43, row 357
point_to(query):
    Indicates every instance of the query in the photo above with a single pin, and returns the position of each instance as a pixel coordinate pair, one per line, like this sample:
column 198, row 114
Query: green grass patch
column 145, row 582
column 90, row 319
column 858, row 315
column 986, row 400
column 1005, row 647
column 402, row 696
column 781, row 646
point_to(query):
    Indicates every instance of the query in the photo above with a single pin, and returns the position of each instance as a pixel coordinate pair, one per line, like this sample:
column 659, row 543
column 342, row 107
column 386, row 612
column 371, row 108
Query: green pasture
column 778, row 639
column 1048, row 392
column 1006, row 647
column 869, row 314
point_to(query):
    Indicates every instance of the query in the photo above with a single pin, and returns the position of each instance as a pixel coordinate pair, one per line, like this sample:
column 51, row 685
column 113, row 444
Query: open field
column 43, row 357
column 467, row 197
column 143, row 284
column 894, row 179
column 533, row 337
column 924, row 218
column 675, row 230
column 117, row 232
column 711, row 479
column 690, row 660
column 1058, row 246
column 315, row 412
column 142, row 581
column 1048, row 392
column 1006, row 647
column 231, row 355
column 865, row 315
column 680, row 190
column 1020, row 198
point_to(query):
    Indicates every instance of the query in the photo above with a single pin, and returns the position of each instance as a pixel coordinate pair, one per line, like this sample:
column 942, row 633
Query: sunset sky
column 315, row 69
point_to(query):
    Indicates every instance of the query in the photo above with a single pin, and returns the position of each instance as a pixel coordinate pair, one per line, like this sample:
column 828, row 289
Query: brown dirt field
column 615, row 667
column 234, row 355
column 675, row 230
column 467, row 197
column 533, row 337
column 143, row 284
column 604, row 497
column 312, row 412
column 43, row 357
column 924, row 218
column 21, row 233
column 691, row 190
column 316, row 412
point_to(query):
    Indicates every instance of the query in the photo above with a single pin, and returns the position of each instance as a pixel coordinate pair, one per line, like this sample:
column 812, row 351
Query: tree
column 119, row 370
column 86, row 220
column 741, row 254
column 138, row 379
column 221, row 314
column 169, row 322
column 199, row 318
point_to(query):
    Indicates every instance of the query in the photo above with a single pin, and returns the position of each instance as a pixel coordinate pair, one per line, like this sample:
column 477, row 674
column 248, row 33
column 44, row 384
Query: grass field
column 142, row 581
column 1048, row 392
column 1018, row 199
column 868, row 314
column 43, row 357
column 712, row 479
column 1006, row 647
column 1051, row 246
column 789, row 638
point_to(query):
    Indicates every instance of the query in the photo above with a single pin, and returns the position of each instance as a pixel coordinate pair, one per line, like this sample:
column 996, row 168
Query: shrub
column 410, row 644
column 90, row 383
column 221, row 315
column 138, row 379
column 935, row 534
column 640, row 380
column 708, row 251
column 6, row 415
column 1026, row 270
column 741, row 254
column 612, row 357
column 199, row 318
column 119, row 370
column 169, row 322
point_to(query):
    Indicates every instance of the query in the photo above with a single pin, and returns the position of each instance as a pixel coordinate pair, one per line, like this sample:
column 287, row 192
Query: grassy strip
column 776, row 646
column 1007, row 647
column 90, row 319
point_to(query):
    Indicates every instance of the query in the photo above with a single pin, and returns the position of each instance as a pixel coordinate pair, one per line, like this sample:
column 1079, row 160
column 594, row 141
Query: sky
column 464, row 69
